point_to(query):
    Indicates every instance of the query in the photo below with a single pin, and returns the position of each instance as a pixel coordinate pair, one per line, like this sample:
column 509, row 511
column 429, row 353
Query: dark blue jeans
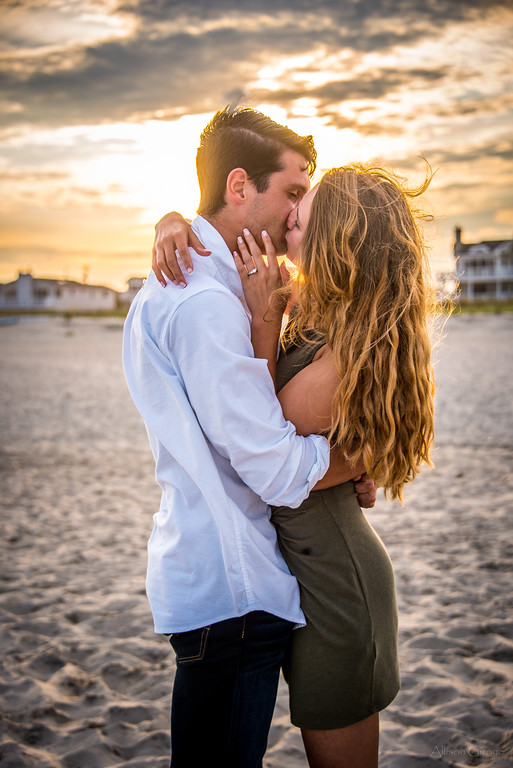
column 225, row 689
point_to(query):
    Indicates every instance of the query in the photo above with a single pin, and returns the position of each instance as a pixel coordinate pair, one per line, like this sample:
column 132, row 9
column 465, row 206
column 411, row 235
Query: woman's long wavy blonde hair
column 364, row 284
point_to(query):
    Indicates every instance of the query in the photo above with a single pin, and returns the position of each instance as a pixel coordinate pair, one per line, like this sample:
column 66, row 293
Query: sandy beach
column 85, row 683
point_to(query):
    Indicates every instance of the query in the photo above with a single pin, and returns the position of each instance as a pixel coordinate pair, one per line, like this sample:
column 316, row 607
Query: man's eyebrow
column 299, row 185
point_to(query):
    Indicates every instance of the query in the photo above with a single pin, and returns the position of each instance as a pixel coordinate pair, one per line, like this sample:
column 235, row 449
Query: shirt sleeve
column 232, row 395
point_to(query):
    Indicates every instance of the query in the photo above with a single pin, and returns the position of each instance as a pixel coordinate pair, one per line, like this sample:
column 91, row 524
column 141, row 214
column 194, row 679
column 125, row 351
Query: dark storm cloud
column 190, row 57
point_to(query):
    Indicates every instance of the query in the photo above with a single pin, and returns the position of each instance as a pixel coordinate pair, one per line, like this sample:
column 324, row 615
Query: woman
column 354, row 365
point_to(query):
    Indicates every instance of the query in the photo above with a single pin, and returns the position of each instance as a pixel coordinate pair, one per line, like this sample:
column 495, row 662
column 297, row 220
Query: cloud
column 76, row 76
column 437, row 11
column 31, row 24
column 475, row 106
column 118, row 80
column 367, row 85
column 501, row 147
column 32, row 176
column 179, row 57
column 53, row 149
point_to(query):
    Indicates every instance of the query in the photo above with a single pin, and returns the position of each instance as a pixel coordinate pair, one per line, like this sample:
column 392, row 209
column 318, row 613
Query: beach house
column 33, row 293
column 484, row 270
column 134, row 286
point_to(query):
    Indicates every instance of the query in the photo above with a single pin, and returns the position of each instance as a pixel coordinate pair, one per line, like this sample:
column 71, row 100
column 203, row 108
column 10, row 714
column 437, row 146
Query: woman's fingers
column 158, row 274
column 272, row 259
column 251, row 258
column 167, row 262
column 173, row 236
column 254, row 249
column 182, row 246
column 252, row 253
column 246, row 255
column 198, row 246
column 160, row 265
column 164, row 262
column 239, row 263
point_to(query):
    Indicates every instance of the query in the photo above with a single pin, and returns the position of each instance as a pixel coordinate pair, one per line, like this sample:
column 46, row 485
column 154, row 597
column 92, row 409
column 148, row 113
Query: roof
column 62, row 283
column 490, row 245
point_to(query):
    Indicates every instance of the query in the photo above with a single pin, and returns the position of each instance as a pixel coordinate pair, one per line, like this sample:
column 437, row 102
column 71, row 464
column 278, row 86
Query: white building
column 484, row 270
column 134, row 286
column 27, row 292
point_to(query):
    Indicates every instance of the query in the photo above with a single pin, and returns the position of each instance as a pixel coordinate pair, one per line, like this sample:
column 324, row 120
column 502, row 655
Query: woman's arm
column 307, row 398
column 306, row 401
column 259, row 281
column 174, row 234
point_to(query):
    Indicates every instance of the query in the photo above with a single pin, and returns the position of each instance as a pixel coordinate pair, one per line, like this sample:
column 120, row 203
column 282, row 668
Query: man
column 216, row 580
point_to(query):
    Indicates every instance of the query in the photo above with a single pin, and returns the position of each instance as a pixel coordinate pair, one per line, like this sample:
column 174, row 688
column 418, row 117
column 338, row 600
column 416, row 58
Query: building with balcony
column 484, row 270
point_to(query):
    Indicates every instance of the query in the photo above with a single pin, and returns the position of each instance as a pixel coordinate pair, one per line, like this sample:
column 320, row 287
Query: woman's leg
column 355, row 746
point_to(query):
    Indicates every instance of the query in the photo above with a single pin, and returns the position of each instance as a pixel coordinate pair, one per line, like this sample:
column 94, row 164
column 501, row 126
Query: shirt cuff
column 322, row 460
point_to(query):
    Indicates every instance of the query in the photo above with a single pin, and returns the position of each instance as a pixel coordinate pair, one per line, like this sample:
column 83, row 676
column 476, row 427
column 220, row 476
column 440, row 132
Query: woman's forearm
column 265, row 336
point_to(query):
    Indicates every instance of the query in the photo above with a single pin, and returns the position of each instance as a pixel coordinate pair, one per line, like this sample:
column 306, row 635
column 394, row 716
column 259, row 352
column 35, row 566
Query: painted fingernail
column 246, row 231
column 239, row 239
column 189, row 270
column 183, row 285
column 264, row 233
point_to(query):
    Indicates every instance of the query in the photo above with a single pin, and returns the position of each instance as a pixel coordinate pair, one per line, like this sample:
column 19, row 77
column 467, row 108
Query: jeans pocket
column 190, row 646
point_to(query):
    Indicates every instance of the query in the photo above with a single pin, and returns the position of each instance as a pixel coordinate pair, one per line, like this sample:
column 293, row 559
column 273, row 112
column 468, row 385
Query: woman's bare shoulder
column 307, row 398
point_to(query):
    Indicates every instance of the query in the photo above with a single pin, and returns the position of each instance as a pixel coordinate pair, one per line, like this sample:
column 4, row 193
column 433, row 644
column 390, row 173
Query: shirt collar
column 221, row 256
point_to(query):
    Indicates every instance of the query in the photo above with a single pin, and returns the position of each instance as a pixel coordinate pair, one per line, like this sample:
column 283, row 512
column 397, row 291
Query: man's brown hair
column 244, row 138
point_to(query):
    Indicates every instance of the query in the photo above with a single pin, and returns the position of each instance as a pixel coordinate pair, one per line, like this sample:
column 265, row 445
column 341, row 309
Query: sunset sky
column 102, row 103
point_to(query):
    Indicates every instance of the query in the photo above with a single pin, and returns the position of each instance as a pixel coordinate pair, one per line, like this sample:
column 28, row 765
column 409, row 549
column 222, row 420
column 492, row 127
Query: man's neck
column 226, row 229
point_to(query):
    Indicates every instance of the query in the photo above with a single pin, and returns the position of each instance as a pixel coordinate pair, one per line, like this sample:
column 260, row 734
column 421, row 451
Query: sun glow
column 153, row 163
column 114, row 182
column 90, row 194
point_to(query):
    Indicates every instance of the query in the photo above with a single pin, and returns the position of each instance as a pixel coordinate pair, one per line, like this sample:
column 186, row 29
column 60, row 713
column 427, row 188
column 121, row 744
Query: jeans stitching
column 201, row 651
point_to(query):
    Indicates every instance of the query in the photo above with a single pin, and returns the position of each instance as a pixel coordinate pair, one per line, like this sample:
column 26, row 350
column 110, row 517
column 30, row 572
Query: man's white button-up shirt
column 223, row 450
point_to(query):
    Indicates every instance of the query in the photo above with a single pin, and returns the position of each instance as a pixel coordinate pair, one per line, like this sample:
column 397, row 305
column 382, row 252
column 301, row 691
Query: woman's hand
column 173, row 233
column 260, row 279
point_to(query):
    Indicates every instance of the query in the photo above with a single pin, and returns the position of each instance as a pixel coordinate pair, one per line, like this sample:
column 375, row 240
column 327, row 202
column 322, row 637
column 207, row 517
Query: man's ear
column 237, row 186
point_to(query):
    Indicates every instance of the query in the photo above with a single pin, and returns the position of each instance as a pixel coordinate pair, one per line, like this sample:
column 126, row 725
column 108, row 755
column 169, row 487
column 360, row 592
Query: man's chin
column 279, row 245
column 281, row 248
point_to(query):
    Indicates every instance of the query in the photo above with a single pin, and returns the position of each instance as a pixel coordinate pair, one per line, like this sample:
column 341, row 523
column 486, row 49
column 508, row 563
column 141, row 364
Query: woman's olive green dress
column 342, row 666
